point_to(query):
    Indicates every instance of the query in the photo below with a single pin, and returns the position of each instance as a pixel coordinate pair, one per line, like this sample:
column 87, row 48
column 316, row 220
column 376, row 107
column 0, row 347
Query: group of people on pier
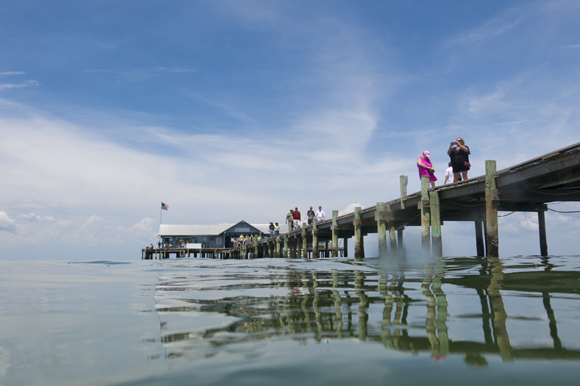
column 294, row 218
column 458, row 166
column 242, row 240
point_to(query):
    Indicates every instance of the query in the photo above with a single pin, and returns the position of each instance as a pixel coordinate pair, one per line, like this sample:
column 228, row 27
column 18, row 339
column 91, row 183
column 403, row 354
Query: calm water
column 291, row 322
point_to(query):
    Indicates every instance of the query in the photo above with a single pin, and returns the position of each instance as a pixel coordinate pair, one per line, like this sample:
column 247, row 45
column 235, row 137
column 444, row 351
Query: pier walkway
column 525, row 187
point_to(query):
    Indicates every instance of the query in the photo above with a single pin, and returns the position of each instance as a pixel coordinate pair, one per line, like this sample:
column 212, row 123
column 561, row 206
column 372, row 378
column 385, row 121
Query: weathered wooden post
column 358, row 237
column 380, row 213
column 345, row 247
column 315, row 252
column 391, row 226
column 425, row 215
column 304, row 242
column 400, row 237
column 542, row 228
column 334, row 234
column 286, row 246
column 491, row 199
column 479, row 238
column 436, row 224
column 403, row 182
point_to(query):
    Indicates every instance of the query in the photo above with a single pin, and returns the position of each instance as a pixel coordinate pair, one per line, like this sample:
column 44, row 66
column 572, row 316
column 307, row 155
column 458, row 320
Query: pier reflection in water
column 464, row 307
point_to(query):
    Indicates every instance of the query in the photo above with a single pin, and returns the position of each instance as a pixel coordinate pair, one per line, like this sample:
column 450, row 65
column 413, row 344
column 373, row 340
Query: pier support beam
column 479, row 238
column 304, row 242
column 345, row 247
column 491, row 199
column 392, row 231
column 435, row 224
column 286, row 246
column 425, row 215
column 403, row 182
column 315, row 253
column 543, row 238
column 400, row 237
column 358, row 237
column 334, row 234
column 381, row 229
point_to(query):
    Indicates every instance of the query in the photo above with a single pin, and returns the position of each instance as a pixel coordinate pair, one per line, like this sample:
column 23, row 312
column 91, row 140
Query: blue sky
column 230, row 110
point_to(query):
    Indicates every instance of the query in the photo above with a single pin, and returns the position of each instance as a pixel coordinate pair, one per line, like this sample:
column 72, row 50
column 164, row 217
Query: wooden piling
column 286, row 246
column 403, row 182
column 479, row 238
column 381, row 228
column 345, row 247
column 435, row 224
column 315, row 252
column 334, row 233
column 491, row 201
column 358, row 237
column 425, row 215
column 304, row 242
column 392, row 233
column 542, row 228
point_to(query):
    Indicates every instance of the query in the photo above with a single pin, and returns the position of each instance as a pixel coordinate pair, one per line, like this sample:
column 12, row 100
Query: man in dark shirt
column 297, row 218
column 310, row 215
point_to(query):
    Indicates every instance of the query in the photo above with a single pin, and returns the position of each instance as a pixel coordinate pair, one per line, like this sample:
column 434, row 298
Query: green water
column 453, row 321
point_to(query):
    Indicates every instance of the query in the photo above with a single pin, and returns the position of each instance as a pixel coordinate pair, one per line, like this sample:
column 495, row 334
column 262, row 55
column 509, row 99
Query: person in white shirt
column 448, row 174
column 320, row 215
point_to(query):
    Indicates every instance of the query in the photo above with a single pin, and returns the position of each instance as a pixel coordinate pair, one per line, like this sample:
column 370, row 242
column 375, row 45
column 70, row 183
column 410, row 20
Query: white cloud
column 27, row 83
column 33, row 217
column 6, row 223
column 175, row 70
column 350, row 209
column 11, row 73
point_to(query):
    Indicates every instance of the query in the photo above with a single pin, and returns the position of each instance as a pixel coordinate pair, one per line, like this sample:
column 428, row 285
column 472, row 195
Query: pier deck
column 525, row 187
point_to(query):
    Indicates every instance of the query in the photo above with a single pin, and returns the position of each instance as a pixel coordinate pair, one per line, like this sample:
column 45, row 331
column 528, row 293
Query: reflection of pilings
column 431, row 312
column 363, row 315
column 498, row 310
column 386, row 323
column 552, row 319
column 486, row 317
column 317, row 313
column 442, row 305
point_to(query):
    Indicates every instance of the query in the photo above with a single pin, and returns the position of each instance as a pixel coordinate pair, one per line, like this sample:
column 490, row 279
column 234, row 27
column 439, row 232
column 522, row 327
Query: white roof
column 208, row 230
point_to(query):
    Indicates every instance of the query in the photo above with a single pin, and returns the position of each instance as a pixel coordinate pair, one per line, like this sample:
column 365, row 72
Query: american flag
column 164, row 206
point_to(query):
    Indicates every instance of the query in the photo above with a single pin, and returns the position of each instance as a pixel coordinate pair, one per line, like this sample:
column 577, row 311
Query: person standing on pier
column 426, row 168
column 290, row 219
column 448, row 174
column 297, row 218
column 310, row 215
column 276, row 229
column 271, row 227
column 459, row 154
column 320, row 215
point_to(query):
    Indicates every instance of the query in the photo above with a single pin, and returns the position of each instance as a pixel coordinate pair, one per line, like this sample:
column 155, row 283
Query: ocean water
column 450, row 321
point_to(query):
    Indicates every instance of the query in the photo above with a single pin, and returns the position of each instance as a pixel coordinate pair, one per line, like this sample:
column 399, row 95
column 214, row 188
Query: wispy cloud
column 11, row 73
column 489, row 30
column 176, row 70
column 571, row 46
column 27, row 83
column 139, row 75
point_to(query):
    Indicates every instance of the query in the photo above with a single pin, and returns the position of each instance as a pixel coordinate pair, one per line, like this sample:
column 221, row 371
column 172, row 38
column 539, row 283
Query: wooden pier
column 525, row 187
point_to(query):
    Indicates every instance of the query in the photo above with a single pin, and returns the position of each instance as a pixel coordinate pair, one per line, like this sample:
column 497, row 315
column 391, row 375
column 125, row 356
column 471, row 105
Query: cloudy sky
column 230, row 110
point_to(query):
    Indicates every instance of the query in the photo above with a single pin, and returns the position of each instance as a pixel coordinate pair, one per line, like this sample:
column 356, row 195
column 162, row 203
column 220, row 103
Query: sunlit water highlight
column 275, row 321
